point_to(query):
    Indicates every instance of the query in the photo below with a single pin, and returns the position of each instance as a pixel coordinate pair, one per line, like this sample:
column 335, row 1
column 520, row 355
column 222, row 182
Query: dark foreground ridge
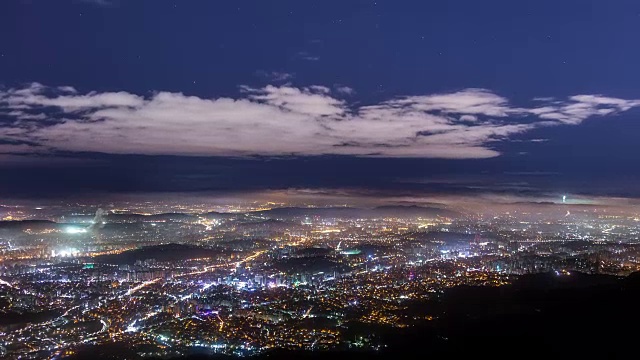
column 542, row 315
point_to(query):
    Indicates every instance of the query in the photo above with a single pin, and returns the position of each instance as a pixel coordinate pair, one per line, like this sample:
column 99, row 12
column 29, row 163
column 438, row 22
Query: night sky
column 514, row 97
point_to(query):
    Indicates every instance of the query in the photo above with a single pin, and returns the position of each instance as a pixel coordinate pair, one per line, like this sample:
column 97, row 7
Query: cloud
column 468, row 118
column 529, row 140
column 581, row 107
column 468, row 101
column 278, row 121
column 313, row 100
column 345, row 90
column 15, row 149
column 38, row 96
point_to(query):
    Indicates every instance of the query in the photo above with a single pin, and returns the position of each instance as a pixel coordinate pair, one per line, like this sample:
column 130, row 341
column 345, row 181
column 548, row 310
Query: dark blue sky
column 443, row 96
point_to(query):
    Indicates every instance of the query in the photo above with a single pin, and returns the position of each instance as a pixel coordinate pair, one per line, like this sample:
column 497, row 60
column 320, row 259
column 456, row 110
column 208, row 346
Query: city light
column 75, row 230
column 244, row 285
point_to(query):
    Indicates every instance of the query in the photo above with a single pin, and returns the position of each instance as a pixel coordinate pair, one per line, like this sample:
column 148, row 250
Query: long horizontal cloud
column 277, row 121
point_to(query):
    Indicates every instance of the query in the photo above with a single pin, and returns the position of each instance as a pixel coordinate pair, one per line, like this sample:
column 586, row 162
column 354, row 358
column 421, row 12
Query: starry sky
column 460, row 96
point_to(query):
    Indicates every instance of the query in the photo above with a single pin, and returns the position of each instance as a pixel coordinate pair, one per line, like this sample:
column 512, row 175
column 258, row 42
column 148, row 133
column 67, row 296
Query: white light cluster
column 75, row 230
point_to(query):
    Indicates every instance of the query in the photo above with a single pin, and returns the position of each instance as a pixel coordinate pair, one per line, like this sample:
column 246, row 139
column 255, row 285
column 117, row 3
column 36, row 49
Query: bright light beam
column 144, row 284
column 6, row 283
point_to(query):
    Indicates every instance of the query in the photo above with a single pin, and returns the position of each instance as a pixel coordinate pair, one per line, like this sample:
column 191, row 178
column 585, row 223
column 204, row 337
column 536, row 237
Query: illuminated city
column 319, row 179
column 271, row 275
